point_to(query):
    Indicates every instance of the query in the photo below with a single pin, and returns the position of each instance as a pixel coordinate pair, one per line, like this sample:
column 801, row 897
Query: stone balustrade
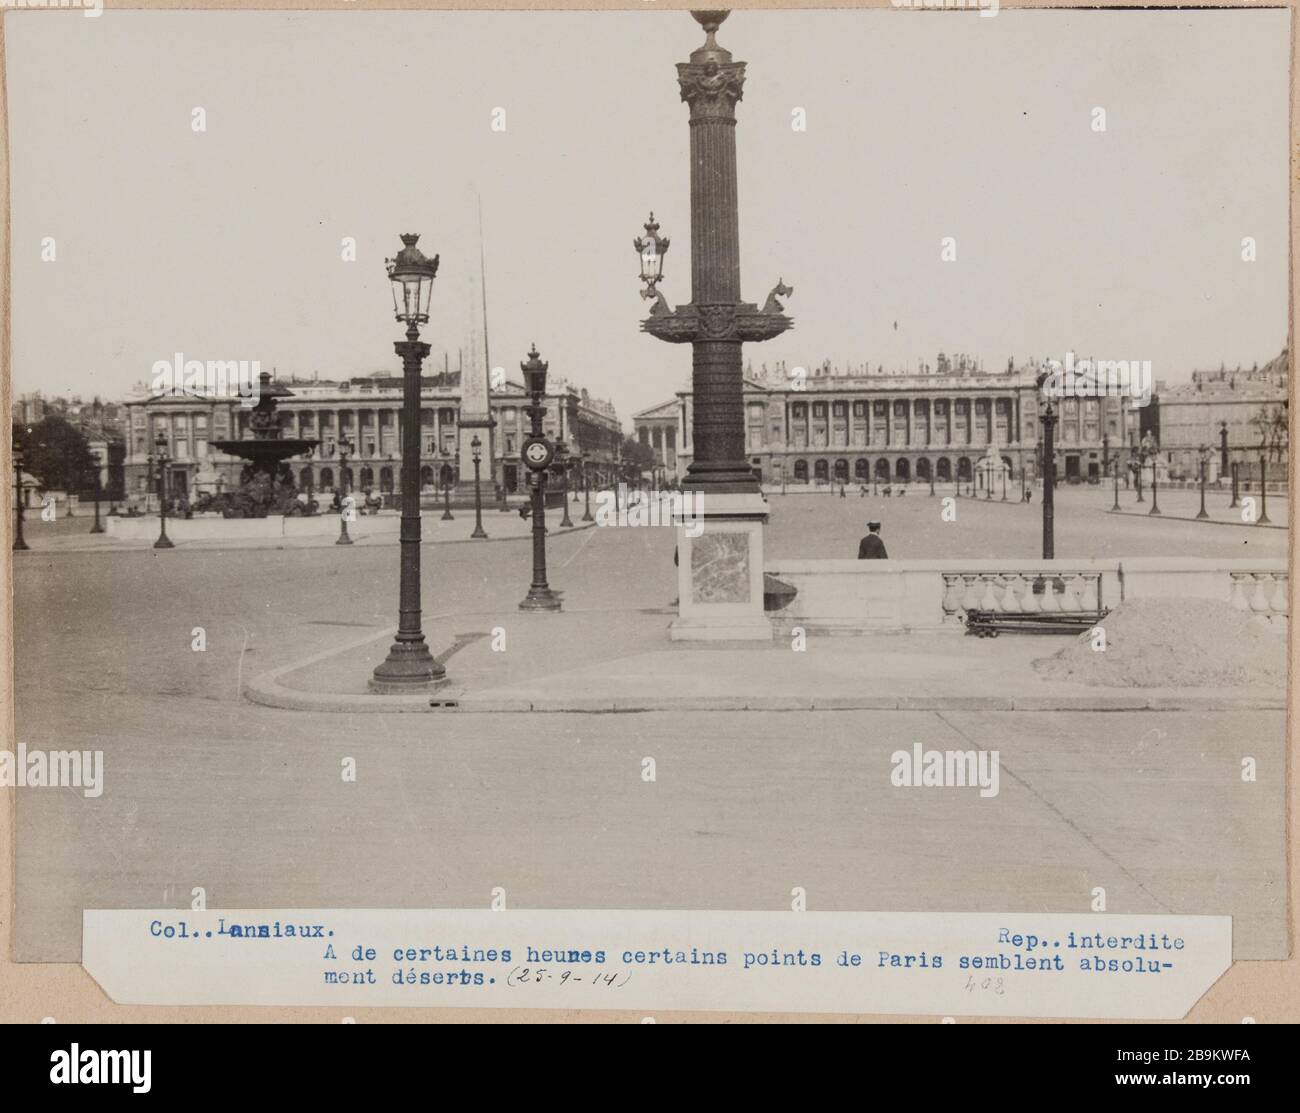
column 866, row 596
column 1261, row 592
column 1061, row 591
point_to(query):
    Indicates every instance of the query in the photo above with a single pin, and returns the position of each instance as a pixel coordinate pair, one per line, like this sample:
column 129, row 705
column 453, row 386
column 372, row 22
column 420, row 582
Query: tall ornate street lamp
column 310, row 478
column 1223, row 447
column 476, row 447
column 586, row 492
column 1115, row 507
column 1155, row 495
column 562, row 462
column 1137, row 463
column 95, row 455
column 1262, row 520
column 409, row 665
column 163, row 542
column 345, row 447
column 1205, row 463
column 20, row 544
column 1049, row 474
column 537, row 453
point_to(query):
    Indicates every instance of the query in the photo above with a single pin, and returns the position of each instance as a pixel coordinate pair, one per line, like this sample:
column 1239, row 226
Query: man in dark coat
column 871, row 547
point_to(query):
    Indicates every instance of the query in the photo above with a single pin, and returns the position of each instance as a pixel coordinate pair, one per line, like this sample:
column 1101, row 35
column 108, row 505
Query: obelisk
column 475, row 414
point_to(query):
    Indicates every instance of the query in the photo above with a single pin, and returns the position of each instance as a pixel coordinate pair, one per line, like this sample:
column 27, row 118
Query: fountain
column 266, row 485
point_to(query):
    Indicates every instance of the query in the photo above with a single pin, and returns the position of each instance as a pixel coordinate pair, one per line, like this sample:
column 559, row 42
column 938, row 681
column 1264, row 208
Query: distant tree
column 56, row 453
column 639, row 455
column 1271, row 422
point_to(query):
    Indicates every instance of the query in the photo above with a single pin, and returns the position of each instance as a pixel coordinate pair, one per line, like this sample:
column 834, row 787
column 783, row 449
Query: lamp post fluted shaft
column 479, row 532
column 1263, row 492
column 344, row 537
column 20, row 544
column 409, row 663
column 538, row 453
column 565, row 521
column 1155, row 495
column 540, row 597
column 586, row 494
column 98, row 527
column 1049, row 483
column 163, row 542
column 1202, row 514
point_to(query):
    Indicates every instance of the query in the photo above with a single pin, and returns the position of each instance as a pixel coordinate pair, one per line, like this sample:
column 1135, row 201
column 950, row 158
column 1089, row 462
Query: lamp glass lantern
column 412, row 274
column 652, row 248
column 534, row 369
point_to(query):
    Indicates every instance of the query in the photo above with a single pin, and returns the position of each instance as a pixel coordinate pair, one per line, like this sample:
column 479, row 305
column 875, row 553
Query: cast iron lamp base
column 409, row 667
column 540, row 599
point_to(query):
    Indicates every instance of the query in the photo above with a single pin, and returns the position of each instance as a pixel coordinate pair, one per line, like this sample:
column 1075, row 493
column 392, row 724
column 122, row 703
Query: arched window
column 327, row 478
column 304, row 478
column 861, row 470
column 426, row 476
column 882, row 469
column 821, row 470
column 386, row 480
column 367, row 478
column 903, row 469
column 801, row 471
column 923, row 470
column 841, row 471
column 963, row 468
column 944, row 469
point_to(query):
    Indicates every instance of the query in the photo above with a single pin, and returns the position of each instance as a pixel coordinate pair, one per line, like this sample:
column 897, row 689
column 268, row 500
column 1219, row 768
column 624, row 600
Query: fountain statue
column 266, row 484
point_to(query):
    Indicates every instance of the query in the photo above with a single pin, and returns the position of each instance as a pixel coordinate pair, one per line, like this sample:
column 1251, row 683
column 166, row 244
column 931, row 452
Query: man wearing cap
column 871, row 547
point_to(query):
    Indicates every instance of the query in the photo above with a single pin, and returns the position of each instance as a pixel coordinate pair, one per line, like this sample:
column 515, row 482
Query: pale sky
column 1122, row 244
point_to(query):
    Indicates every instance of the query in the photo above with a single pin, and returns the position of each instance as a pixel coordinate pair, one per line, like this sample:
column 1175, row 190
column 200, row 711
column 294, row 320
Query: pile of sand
column 1176, row 643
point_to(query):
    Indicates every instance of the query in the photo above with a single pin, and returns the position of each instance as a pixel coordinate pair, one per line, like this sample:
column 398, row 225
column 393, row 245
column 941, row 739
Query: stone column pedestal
column 720, row 570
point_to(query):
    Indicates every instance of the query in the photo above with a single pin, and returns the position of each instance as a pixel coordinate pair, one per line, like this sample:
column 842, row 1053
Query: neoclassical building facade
column 861, row 425
column 366, row 410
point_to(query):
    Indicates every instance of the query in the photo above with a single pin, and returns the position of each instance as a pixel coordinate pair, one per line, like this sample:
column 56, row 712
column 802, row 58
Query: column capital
column 711, row 83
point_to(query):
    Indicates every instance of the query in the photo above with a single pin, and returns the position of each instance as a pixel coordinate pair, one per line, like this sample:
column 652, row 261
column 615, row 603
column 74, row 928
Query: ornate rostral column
column 720, row 569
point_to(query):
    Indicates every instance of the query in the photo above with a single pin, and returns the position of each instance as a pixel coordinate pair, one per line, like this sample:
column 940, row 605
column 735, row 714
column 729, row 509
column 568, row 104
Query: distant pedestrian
column 872, row 547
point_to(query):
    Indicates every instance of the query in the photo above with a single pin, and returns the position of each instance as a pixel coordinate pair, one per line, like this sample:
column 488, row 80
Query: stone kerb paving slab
column 597, row 662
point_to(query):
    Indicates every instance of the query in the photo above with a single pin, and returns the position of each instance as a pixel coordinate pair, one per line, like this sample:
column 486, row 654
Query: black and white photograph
column 647, row 514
